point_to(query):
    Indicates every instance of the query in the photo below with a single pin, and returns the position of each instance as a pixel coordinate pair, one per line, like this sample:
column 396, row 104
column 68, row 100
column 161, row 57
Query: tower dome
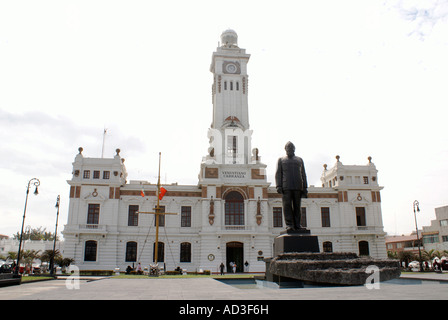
column 229, row 38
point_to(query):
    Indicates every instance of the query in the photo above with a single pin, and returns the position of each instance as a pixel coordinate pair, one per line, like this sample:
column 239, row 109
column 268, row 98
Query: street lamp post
column 417, row 209
column 55, row 234
column 36, row 183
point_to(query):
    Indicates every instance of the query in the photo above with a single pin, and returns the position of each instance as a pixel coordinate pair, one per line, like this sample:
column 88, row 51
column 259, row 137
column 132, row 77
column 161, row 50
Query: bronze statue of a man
column 291, row 183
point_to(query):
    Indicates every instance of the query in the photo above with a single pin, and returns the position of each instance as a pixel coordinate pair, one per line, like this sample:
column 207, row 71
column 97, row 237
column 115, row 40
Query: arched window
column 90, row 250
column 185, row 252
column 363, row 248
column 327, row 246
column 131, row 251
column 234, row 209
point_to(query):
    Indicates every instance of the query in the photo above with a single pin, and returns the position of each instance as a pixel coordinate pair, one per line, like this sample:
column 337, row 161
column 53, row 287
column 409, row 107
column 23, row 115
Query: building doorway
column 363, row 248
column 235, row 254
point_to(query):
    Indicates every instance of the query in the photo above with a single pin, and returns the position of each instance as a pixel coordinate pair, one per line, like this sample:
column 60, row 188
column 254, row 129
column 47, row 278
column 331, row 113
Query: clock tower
column 229, row 68
column 232, row 179
column 230, row 137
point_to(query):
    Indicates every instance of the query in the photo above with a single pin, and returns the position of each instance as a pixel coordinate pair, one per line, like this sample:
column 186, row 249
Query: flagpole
column 104, row 139
column 157, row 210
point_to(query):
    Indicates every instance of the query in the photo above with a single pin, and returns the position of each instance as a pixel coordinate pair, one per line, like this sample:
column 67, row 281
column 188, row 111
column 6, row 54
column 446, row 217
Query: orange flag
column 142, row 193
column 162, row 193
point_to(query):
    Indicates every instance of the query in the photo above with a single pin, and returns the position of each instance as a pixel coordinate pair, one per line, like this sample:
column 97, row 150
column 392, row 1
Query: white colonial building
column 233, row 214
column 435, row 236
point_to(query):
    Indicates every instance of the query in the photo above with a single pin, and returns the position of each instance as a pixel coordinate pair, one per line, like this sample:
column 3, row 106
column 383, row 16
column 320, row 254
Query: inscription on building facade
column 234, row 174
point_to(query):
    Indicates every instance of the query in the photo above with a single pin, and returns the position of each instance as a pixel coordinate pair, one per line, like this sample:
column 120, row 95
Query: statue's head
column 290, row 149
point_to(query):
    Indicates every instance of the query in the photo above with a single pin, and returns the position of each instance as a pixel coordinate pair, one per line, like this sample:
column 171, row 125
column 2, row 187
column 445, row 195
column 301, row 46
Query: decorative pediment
column 232, row 122
column 134, row 199
column 325, row 203
column 360, row 200
column 94, row 195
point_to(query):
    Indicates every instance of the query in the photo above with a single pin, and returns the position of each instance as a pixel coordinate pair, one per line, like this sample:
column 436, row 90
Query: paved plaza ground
column 433, row 286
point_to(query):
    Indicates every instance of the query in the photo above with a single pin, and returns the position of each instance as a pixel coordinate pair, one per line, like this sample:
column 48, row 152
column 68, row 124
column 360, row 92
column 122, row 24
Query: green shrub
column 96, row 272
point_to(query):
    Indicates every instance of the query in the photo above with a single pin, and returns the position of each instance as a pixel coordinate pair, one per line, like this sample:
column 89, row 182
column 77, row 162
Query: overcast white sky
column 356, row 79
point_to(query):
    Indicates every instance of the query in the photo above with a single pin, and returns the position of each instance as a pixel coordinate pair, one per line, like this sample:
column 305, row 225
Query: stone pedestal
column 297, row 258
column 295, row 241
column 288, row 242
column 338, row 268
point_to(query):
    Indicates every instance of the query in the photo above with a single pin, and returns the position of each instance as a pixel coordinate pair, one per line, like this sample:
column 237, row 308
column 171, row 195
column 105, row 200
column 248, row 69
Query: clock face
column 231, row 68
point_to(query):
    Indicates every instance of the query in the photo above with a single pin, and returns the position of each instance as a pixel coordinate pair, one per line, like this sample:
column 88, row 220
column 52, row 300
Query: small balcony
column 237, row 228
column 86, row 228
column 365, row 229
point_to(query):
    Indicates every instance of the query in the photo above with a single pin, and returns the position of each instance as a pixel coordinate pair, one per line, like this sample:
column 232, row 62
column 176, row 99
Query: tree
column 29, row 256
column 47, row 254
column 35, row 234
column 63, row 262
column 429, row 255
column 406, row 257
column 392, row 255
column 12, row 255
column 439, row 254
